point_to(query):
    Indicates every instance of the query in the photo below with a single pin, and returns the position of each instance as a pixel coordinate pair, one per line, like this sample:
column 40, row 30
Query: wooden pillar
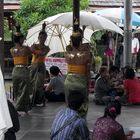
column 1, row 36
column 76, row 14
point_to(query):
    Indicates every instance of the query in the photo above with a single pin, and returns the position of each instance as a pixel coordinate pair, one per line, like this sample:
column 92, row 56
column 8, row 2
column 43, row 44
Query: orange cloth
column 21, row 60
column 77, row 69
column 37, row 59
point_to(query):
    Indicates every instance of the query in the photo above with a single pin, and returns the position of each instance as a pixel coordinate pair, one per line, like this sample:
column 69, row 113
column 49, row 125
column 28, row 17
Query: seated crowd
column 109, row 85
column 70, row 125
column 112, row 88
column 122, row 85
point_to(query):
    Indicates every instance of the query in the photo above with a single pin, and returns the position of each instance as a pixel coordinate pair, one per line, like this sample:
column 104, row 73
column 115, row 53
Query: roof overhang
column 11, row 7
column 95, row 8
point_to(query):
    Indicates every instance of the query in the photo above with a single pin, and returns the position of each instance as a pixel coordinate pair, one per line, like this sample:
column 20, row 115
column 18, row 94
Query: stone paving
column 37, row 125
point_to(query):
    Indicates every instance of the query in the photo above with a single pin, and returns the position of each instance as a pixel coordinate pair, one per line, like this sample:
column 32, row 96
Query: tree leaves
column 32, row 12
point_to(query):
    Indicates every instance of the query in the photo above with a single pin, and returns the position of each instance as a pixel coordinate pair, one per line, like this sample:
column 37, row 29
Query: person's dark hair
column 18, row 38
column 129, row 73
column 54, row 70
column 102, row 69
column 75, row 99
column 76, row 38
column 18, row 35
column 43, row 32
column 114, row 69
column 113, row 109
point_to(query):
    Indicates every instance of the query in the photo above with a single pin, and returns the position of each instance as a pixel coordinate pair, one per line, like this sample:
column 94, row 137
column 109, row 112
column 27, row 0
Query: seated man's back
column 68, row 125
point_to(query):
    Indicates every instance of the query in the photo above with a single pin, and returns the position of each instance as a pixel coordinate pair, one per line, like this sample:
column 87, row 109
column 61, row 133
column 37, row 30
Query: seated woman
column 106, row 127
column 131, row 88
column 54, row 92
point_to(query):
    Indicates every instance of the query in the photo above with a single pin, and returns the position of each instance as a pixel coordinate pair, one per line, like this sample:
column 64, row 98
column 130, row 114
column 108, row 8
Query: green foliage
column 33, row 11
column 96, row 36
column 7, row 33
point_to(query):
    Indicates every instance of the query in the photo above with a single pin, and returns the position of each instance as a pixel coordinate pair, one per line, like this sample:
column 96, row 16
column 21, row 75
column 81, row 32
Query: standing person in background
column 109, row 52
column 20, row 74
column 38, row 69
column 135, row 50
column 79, row 58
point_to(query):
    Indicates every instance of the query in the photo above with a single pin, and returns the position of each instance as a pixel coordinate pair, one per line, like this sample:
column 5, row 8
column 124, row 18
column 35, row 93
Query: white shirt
column 135, row 45
column 5, row 119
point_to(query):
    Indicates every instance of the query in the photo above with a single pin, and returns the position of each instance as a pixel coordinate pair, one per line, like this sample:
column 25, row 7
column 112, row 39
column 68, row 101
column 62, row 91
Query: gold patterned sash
column 77, row 69
column 39, row 59
column 22, row 60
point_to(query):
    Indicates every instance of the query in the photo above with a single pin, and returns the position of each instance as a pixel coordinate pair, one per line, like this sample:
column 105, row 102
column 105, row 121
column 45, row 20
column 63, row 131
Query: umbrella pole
column 62, row 43
column 115, row 49
column 76, row 15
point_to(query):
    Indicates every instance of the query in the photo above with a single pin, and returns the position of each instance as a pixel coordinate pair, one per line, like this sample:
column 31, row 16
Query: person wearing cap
column 20, row 73
column 38, row 69
column 78, row 58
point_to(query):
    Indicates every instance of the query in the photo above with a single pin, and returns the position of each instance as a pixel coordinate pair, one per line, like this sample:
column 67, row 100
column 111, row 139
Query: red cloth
column 135, row 50
column 132, row 87
column 108, row 52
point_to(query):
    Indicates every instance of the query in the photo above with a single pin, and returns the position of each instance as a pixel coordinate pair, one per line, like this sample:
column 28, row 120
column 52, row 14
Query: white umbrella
column 88, row 19
column 58, row 37
column 137, row 30
column 59, row 30
column 117, row 15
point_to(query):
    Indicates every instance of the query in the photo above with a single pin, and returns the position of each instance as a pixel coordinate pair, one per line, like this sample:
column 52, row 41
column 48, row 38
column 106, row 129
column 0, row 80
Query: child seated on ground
column 54, row 92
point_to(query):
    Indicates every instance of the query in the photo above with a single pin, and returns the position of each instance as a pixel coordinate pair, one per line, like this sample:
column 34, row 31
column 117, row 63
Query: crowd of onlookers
column 115, row 84
column 69, row 125
column 113, row 89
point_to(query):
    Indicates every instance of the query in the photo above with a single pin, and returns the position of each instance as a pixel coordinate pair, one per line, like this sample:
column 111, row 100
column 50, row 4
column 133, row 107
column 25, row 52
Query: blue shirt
column 77, row 130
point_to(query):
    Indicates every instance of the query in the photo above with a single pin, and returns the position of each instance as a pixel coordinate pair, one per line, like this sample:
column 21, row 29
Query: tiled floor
column 37, row 125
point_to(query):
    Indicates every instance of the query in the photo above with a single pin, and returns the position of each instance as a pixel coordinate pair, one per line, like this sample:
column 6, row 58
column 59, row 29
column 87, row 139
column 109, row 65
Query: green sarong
column 37, row 77
column 78, row 82
column 20, row 78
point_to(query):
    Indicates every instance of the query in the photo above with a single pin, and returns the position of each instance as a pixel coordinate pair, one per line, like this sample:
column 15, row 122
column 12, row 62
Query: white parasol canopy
column 59, row 29
column 58, row 37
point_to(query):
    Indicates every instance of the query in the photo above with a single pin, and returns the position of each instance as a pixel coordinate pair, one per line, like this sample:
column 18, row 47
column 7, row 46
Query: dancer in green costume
column 78, row 57
column 20, row 74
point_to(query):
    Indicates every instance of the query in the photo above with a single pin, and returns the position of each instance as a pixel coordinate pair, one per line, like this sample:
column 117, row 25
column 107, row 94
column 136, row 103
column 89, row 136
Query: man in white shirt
column 134, row 50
